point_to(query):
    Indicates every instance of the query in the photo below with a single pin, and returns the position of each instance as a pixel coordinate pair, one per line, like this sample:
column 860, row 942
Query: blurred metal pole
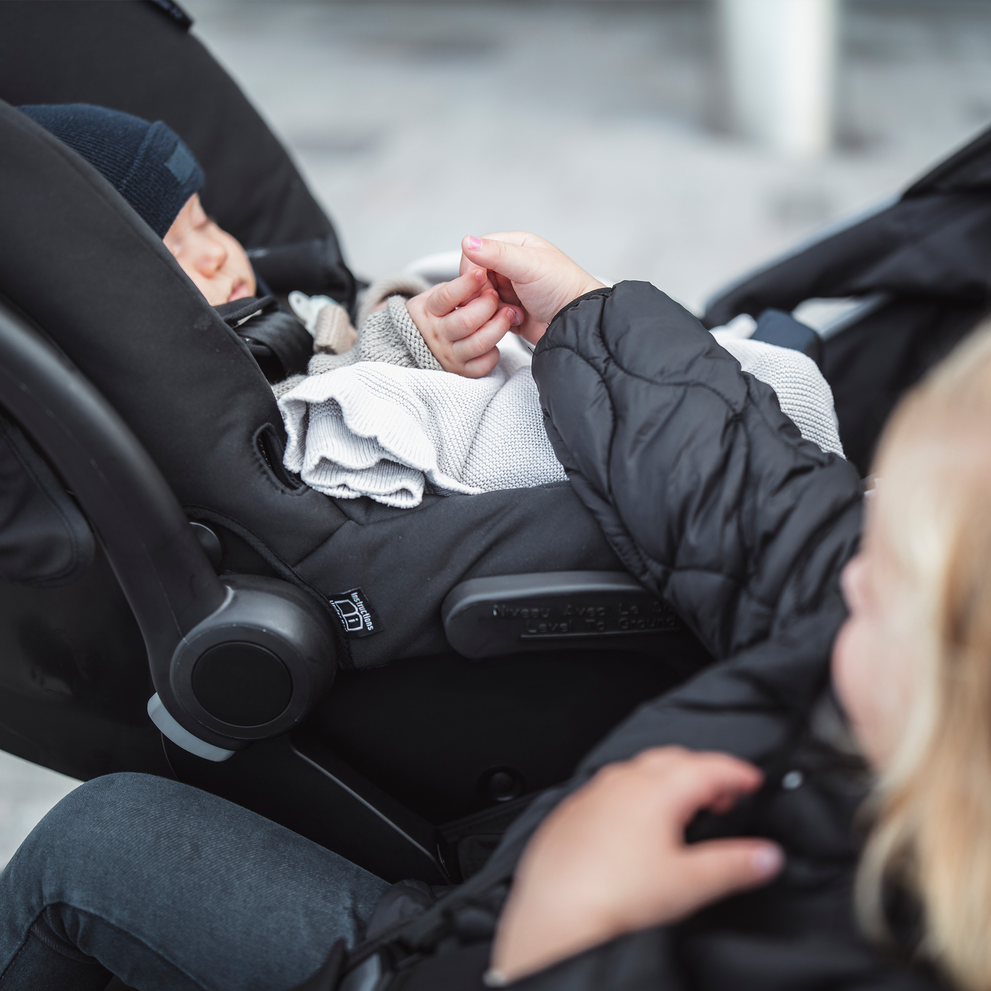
column 780, row 67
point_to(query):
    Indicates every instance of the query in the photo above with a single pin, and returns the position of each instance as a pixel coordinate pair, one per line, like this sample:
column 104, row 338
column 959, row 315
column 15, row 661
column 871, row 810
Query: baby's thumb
column 723, row 867
column 509, row 260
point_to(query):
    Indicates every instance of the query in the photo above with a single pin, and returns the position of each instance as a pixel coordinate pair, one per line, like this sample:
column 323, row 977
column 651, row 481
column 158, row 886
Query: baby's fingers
column 469, row 317
column 448, row 295
column 477, row 354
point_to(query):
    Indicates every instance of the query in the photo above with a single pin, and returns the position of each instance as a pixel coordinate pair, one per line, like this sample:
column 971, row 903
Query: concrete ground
column 592, row 124
column 588, row 123
column 27, row 792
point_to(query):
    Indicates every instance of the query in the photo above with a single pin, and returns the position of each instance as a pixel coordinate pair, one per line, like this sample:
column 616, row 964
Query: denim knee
column 92, row 822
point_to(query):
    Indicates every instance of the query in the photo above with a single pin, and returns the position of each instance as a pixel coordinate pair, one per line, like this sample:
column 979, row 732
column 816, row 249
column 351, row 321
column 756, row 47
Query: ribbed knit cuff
column 406, row 286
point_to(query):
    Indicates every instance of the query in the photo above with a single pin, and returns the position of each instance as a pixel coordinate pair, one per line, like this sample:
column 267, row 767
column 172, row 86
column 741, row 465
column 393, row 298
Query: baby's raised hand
column 462, row 321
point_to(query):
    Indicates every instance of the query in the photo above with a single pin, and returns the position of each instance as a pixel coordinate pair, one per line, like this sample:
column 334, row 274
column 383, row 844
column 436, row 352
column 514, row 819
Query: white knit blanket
column 802, row 391
column 383, row 431
column 387, row 432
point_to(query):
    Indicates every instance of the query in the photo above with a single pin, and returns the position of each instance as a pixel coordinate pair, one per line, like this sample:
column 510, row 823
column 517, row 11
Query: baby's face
column 211, row 257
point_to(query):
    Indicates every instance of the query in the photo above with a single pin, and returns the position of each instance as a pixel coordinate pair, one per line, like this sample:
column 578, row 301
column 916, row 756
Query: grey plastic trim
column 829, row 317
column 166, row 723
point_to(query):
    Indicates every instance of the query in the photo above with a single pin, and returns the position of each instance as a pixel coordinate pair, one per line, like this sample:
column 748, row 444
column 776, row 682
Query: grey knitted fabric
column 802, row 391
column 387, row 335
column 389, row 433
column 287, row 385
column 405, row 285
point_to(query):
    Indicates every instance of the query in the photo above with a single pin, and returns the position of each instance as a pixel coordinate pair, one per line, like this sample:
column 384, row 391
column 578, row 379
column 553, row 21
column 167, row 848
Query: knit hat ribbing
column 148, row 164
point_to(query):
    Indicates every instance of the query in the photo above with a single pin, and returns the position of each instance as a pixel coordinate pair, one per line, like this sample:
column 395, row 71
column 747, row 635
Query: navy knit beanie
column 148, row 164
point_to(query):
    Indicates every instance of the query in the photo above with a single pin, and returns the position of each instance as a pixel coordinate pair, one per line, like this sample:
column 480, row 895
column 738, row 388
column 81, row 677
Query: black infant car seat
column 320, row 661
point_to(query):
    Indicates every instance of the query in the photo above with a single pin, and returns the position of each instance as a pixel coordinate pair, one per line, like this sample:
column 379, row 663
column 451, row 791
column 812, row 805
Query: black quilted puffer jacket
column 712, row 499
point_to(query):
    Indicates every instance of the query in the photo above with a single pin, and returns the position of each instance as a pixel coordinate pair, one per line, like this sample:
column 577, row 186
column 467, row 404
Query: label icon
column 355, row 613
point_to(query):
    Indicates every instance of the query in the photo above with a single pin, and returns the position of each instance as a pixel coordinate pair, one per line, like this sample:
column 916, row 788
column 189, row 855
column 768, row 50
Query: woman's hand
column 529, row 271
column 612, row 858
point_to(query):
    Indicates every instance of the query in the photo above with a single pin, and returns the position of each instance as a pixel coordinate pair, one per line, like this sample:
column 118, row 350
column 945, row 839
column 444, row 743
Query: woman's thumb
column 509, row 260
column 722, row 867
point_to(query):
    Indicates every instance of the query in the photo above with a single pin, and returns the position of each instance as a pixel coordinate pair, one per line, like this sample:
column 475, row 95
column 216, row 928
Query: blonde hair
column 932, row 807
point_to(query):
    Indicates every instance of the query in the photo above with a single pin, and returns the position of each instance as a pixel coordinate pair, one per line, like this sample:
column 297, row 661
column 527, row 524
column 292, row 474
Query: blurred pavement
column 589, row 123
column 27, row 792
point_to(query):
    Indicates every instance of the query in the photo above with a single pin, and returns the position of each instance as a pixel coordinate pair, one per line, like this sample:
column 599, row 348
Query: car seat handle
column 163, row 571
column 210, row 643
column 556, row 610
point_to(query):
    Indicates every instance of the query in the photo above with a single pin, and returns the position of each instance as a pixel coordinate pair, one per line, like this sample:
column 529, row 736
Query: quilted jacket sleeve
column 702, row 486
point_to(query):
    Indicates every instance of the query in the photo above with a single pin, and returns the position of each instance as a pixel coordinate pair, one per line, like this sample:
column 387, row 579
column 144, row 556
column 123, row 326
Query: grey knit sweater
column 388, row 335
column 393, row 425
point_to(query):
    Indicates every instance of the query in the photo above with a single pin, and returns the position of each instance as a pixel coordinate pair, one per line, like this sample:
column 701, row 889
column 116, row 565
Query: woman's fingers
column 612, row 857
column 510, row 260
column 718, row 868
column 505, row 288
column 542, row 277
column 691, row 781
column 713, row 781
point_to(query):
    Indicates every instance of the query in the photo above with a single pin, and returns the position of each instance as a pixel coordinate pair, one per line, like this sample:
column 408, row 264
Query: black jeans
column 169, row 887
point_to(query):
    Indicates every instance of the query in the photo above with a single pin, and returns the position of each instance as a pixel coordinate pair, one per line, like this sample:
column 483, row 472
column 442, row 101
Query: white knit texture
column 385, row 431
column 802, row 391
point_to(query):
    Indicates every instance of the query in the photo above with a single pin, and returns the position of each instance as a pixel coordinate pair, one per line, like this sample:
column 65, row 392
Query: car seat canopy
column 137, row 328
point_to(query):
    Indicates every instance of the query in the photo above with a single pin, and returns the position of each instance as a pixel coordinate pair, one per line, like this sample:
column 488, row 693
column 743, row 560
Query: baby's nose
column 213, row 254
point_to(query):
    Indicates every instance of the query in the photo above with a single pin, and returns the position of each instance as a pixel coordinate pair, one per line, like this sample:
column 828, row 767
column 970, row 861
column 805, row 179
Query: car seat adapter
column 249, row 671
